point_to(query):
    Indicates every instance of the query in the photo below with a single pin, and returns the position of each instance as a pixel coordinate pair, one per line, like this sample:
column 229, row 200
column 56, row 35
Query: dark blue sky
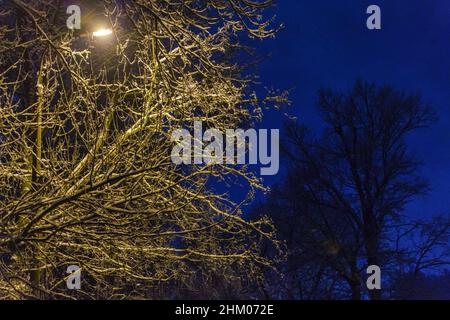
column 326, row 43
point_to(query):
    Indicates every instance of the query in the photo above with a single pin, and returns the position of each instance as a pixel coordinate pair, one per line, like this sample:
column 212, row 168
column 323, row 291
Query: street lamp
column 102, row 32
column 95, row 20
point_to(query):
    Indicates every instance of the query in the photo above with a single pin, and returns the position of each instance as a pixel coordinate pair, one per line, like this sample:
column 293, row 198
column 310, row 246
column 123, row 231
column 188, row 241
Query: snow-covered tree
column 86, row 176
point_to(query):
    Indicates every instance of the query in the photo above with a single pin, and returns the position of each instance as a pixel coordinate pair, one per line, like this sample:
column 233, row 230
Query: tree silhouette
column 343, row 198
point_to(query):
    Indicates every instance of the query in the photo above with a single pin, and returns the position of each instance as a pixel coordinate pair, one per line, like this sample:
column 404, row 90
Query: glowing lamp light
column 102, row 32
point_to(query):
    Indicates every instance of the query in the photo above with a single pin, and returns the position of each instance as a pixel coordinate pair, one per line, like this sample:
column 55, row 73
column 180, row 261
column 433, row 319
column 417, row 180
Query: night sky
column 326, row 43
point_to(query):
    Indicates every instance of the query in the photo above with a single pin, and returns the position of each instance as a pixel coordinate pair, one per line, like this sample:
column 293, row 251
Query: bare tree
column 85, row 124
column 418, row 246
column 347, row 188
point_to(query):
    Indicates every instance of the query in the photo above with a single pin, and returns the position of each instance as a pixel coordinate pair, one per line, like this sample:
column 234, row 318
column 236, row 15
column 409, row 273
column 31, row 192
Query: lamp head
column 102, row 32
column 94, row 20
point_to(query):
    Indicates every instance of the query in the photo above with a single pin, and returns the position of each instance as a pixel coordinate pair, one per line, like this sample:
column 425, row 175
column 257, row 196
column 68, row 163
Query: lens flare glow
column 102, row 32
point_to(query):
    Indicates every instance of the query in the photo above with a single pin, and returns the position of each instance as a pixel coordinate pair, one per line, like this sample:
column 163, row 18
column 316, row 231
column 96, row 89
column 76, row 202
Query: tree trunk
column 371, row 239
column 372, row 259
column 356, row 290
